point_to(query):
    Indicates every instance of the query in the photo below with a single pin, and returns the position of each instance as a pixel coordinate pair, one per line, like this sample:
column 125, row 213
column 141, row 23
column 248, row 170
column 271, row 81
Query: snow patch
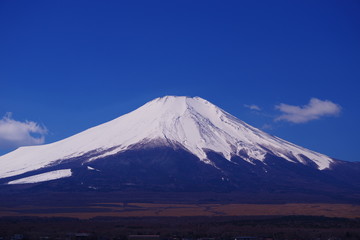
column 92, row 169
column 43, row 177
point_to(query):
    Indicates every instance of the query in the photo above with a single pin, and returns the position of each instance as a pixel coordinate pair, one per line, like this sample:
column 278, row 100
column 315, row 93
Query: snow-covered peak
column 192, row 123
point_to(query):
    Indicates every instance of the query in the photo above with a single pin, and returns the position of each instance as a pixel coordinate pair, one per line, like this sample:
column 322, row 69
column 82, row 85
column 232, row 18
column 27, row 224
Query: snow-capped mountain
column 191, row 123
column 173, row 129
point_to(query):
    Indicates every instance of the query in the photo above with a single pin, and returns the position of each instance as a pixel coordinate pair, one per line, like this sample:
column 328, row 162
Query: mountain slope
column 193, row 124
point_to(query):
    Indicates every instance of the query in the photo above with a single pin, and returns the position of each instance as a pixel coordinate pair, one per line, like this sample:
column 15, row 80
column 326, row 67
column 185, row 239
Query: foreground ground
column 180, row 228
column 122, row 209
column 175, row 216
column 86, row 205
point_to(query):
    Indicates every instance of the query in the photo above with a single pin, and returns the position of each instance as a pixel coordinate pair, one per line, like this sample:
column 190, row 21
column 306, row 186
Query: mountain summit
column 172, row 137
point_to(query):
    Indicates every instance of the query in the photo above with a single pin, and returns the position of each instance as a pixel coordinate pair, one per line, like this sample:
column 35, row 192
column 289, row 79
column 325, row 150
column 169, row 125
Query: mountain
column 180, row 144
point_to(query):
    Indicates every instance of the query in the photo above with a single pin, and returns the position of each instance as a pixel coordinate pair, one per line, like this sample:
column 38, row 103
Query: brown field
column 183, row 210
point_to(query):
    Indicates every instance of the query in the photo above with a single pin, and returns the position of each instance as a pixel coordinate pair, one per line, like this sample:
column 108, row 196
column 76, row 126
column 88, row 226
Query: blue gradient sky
column 71, row 65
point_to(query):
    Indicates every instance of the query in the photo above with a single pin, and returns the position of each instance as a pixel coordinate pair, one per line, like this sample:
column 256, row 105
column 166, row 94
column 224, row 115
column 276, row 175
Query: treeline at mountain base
column 181, row 228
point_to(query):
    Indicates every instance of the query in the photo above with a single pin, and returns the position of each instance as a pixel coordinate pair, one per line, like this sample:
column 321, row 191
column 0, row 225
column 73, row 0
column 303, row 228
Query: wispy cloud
column 267, row 126
column 15, row 133
column 315, row 109
column 253, row 107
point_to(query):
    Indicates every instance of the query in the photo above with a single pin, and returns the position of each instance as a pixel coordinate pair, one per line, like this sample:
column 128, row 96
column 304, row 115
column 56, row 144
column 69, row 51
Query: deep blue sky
column 71, row 65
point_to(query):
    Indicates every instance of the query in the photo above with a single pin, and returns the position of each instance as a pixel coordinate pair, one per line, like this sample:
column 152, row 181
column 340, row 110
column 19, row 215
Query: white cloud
column 253, row 107
column 15, row 133
column 315, row 109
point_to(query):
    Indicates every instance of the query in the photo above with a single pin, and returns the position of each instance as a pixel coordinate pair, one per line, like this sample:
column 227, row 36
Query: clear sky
column 291, row 68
